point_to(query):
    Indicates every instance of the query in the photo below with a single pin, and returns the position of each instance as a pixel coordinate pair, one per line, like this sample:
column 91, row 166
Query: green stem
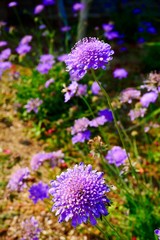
column 115, row 121
column 111, row 226
column 101, row 230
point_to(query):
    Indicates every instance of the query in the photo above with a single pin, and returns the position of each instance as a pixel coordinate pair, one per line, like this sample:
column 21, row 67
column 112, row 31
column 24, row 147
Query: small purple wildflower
column 42, row 26
column 48, row 82
column 65, row 29
column 38, row 191
column 152, row 83
column 46, row 63
column 95, row 88
column 98, row 121
column 81, row 136
column 5, row 65
column 12, row 4
column 48, row 2
column 120, row 73
column 70, row 91
column 80, row 125
column 33, row 104
column 78, row 7
column 157, row 232
column 107, row 114
column 136, row 113
column 23, row 49
column 107, row 27
column 5, row 54
column 25, row 40
column 38, row 9
column 128, row 94
column 148, row 98
column 30, row 229
column 17, row 179
column 3, row 43
column 88, row 53
column 82, row 90
column 111, row 35
column 79, row 195
column 116, row 156
column 55, row 158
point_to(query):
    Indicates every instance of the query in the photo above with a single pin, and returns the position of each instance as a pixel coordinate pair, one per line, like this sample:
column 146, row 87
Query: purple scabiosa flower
column 33, row 104
column 116, row 156
column 95, row 88
column 65, row 29
column 30, row 229
column 55, row 158
column 82, row 90
column 79, row 195
column 48, row 82
column 70, row 91
column 5, row 65
column 5, row 54
column 141, row 40
column 80, row 125
column 88, row 53
column 12, row 4
column 25, row 40
column 48, row 2
column 3, row 43
column 17, row 179
column 136, row 113
column 128, row 94
column 120, row 73
column 111, row 35
column 38, row 9
column 107, row 27
column 148, row 98
column 81, row 136
column 38, row 159
column 107, row 114
column 157, row 232
column 46, row 63
column 42, row 26
column 38, row 191
column 98, row 121
column 22, row 49
column 78, row 7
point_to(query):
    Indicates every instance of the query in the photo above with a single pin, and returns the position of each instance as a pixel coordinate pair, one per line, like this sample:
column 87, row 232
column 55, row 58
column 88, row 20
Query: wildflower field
column 80, row 120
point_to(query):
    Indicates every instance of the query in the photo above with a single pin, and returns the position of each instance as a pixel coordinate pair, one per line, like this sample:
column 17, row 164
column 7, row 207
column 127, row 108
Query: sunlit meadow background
column 40, row 130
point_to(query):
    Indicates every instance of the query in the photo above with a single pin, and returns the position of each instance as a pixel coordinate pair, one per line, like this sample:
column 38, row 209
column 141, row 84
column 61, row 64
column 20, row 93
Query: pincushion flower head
column 17, row 180
column 88, row 53
column 79, row 195
column 116, row 156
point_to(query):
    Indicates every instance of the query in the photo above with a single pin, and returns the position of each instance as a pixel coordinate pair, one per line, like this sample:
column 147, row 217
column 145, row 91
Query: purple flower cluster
column 24, row 46
column 148, row 98
column 38, row 191
column 38, row 9
column 3, row 43
column 88, row 53
column 45, row 64
column 136, row 113
column 54, row 157
column 17, row 179
column 120, row 73
column 30, row 229
column 128, row 94
column 78, row 7
column 33, row 104
column 79, row 130
column 95, row 88
column 109, row 31
column 12, row 4
column 116, row 156
column 48, row 2
column 79, row 195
